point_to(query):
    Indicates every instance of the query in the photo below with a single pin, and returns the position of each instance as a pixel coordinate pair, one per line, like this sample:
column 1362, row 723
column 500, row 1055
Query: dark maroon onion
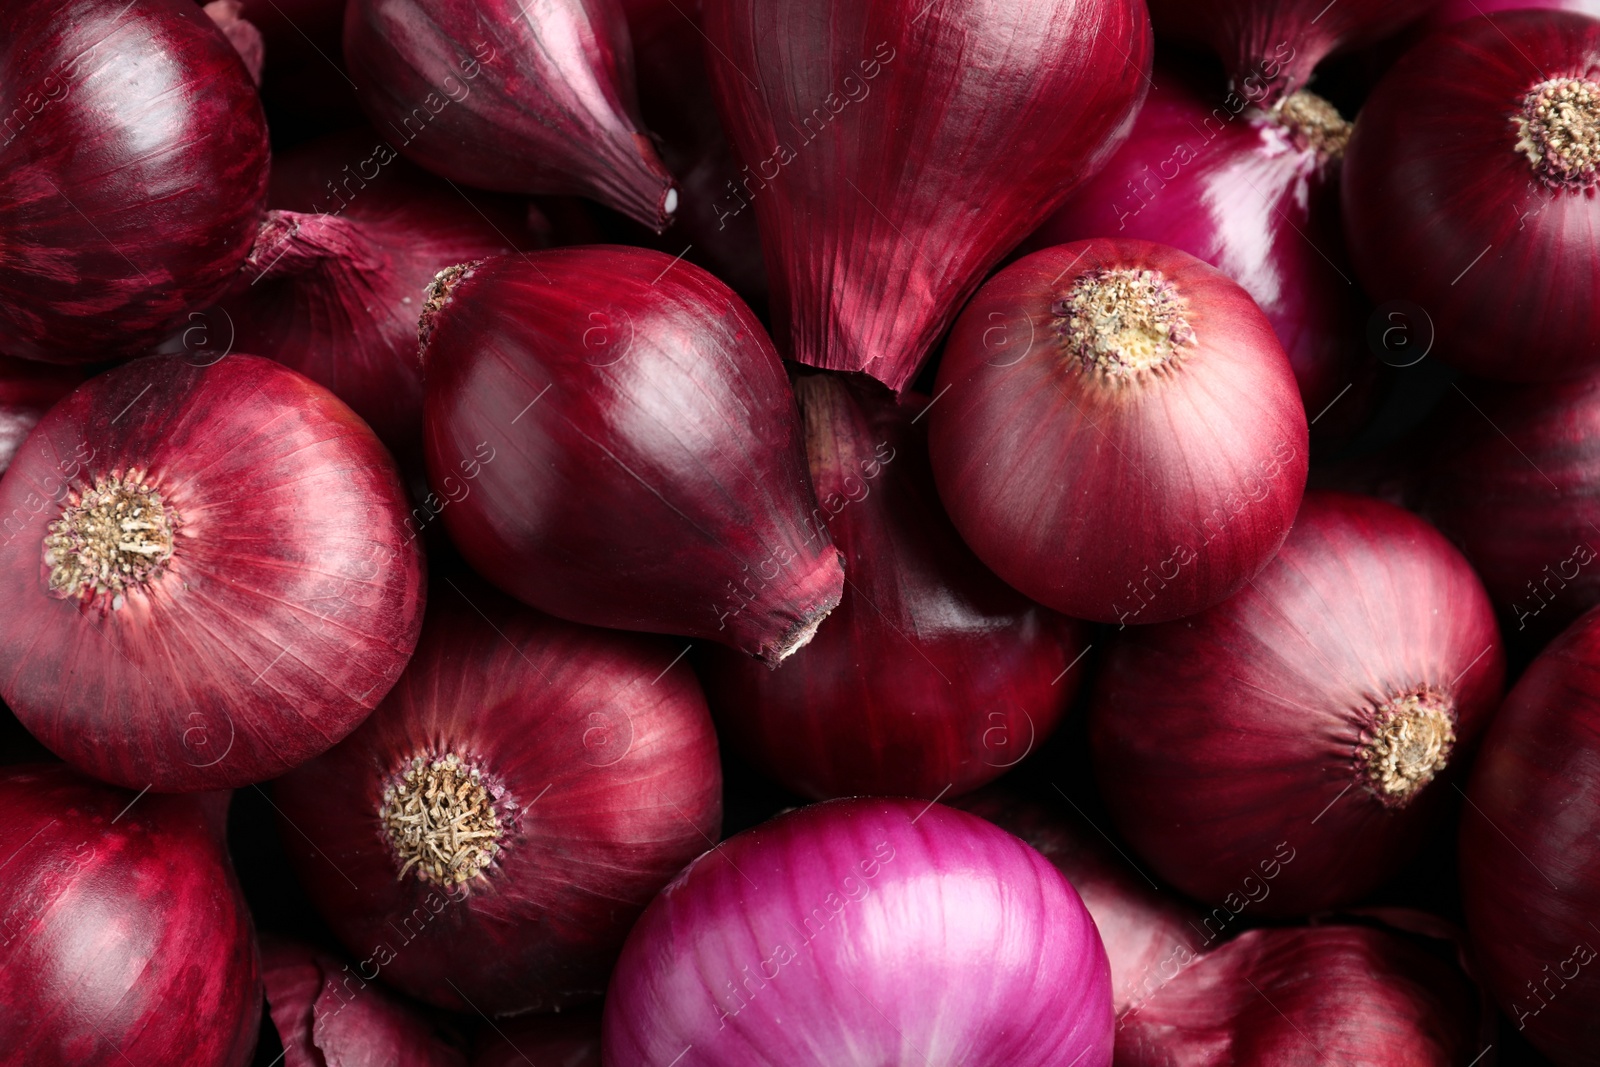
column 121, row 919
column 931, row 677
column 1470, row 192
column 504, row 96
column 584, row 764
column 891, row 167
column 1278, row 753
column 1450, row 11
column 1122, row 439
column 650, row 472
column 571, row 1039
column 1530, row 857
column 206, row 574
column 27, row 391
column 133, row 170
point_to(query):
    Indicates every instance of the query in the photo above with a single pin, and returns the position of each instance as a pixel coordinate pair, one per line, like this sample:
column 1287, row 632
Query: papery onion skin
column 494, row 94
column 602, row 763
column 898, row 931
column 1206, row 171
column 1530, row 857
column 571, row 1039
column 287, row 606
column 121, row 910
column 133, row 170
column 647, row 471
column 876, row 223
column 1235, row 750
column 1306, row 996
column 27, row 390
column 1443, row 210
column 931, row 677
column 241, row 33
column 1134, row 497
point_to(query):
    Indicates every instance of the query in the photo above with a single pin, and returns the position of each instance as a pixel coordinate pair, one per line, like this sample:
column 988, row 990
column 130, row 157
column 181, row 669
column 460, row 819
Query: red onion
column 1122, row 440
column 931, row 677
column 1270, row 47
column 1250, row 192
column 122, row 919
column 511, row 97
column 1530, row 858
column 653, row 475
column 134, row 160
column 1275, row 754
column 326, row 1016
column 864, row 931
column 584, row 767
column 206, row 575
column 27, row 390
column 896, row 149
column 1449, row 11
column 1470, row 191
column 1345, row 995
column 566, row 1040
column 241, row 33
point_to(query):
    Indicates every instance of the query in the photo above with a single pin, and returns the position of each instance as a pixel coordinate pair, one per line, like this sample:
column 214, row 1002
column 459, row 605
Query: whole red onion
column 133, row 169
column 1277, row 754
column 122, row 917
column 27, row 390
column 1470, row 191
column 931, row 677
column 509, row 96
column 1122, row 440
column 1306, row 997
column 206, row 574
column 1252, row 193
column 571, row 1039
column 650, row 472
column 583, row 770
column 1530, row 858
column 896, row 149
column 864, row 931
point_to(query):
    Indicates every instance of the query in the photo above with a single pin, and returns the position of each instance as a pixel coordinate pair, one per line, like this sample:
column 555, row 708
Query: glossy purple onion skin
column 1443, row 211
column 1530, row 858
column 1227, row 745
column 877, row 228
column 290, row 604
column 27, row 390
column 121, row 911
column 1305, row 997
column 932, row 676
column 648, row 469
column 133, row 182
column 494, row 94
column 901, row 932
column 1207, row 172
column 1084, row 495
column 604, row 762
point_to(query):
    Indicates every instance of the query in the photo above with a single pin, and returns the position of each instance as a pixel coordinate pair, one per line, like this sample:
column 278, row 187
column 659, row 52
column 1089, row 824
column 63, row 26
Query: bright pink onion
column 206, row 574
column 583, row 770
column 650, row 473
column 121, row 919
column 1530, row 857
column 894, row 150
column 1116, row 431
column 27, row 391
column 507, row 96
column 864, row 931
column 1277, row 754
column 133, row 169
column 931, row 677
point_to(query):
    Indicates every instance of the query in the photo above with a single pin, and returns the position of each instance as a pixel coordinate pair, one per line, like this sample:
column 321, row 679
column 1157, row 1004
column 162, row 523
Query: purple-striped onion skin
column 642, row 461
column 1444, row 208
column 1530, row 854
column 598, row 759
column 1307, row 997
column 270, row 596
column 1115, row 473
column 877, row 223
column 124, row 937
column 1278, row 753
column 504, row 96
column 27, row 390
column 133, row 172
column 864, row 931
column 571, row 1039
column 932, row 676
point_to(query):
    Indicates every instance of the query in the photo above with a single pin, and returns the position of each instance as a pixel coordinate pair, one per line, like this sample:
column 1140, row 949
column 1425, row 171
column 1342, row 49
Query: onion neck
column 440, row 817
column 1121, row 324
column 1407, row 742
column 1558, row 132
column 439, row 293
column 1314, row 124
column 112, row 536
